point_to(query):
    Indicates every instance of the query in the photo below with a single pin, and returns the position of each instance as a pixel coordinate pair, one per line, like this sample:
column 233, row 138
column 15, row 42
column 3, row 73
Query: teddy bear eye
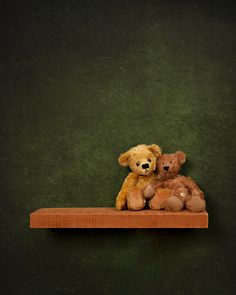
column 170, row 162
column 149, row 160
column 137, row 163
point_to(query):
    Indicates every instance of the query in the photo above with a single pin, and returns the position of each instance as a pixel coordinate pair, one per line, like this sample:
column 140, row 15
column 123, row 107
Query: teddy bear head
column 141, row 159
column 168, row 165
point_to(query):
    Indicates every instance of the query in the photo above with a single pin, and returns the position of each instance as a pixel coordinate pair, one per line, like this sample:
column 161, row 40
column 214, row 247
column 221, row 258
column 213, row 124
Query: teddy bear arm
column 193, row 187
column 129, row 182
column 149, row 191
column 157, row 184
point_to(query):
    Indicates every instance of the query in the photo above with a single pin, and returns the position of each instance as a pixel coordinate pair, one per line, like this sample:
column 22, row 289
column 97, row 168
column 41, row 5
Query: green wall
column 81, row 82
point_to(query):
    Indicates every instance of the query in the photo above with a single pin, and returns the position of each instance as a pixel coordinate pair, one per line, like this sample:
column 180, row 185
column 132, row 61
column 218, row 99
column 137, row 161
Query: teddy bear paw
column 120, row 204
column 196, row 204
column 149, row 192
column 174, row 204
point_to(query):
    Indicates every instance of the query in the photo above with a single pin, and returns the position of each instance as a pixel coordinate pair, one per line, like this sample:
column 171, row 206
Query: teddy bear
column 174, row 191
column 137, row 186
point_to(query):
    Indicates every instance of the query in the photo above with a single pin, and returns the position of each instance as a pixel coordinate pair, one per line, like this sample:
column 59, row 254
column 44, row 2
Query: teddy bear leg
column 196, row 204
column 182, row 193
column 174, row 204
column 135, row 200
column 158, row 202
column 155, row 203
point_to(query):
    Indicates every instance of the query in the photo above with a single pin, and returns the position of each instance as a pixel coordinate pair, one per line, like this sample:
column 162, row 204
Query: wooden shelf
column 111, row 218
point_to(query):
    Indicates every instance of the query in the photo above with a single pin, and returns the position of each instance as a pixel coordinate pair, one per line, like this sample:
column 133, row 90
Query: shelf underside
column 112, row 218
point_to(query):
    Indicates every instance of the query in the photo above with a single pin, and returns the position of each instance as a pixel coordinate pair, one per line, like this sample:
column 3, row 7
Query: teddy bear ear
column 124, row 159
column 155, row 149
column 181, row 156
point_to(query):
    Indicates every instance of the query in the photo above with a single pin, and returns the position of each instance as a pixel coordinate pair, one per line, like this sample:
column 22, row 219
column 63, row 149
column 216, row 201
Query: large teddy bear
column 137, row 186
column 174, row 191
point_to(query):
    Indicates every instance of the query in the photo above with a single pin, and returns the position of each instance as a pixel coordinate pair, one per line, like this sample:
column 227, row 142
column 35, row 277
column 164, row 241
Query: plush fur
column 137, row 187
column 183, row 191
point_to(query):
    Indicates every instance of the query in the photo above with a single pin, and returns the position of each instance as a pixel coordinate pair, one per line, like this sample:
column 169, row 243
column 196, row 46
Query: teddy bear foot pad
column 112, row 218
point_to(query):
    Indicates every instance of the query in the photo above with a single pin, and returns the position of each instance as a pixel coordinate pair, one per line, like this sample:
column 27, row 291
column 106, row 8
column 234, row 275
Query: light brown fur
column 142, row 161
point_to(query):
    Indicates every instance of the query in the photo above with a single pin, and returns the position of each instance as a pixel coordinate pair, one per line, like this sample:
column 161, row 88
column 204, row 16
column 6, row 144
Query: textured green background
column 81, row 82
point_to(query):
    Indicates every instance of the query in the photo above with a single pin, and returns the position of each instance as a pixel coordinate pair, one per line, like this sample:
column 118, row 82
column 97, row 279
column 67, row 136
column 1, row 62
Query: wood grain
column 112, row 218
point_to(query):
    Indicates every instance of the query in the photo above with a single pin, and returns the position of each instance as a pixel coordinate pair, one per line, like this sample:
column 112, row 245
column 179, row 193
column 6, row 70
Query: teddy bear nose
column 145, row 166
column 166, row 168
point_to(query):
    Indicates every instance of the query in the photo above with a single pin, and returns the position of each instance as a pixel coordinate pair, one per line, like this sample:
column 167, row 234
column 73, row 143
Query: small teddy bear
column 137, row 186
column 174, row 191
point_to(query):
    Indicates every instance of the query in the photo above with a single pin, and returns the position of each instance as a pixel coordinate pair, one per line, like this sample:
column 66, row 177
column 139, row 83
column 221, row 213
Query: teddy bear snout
column 166, row 168
column 145, row 166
